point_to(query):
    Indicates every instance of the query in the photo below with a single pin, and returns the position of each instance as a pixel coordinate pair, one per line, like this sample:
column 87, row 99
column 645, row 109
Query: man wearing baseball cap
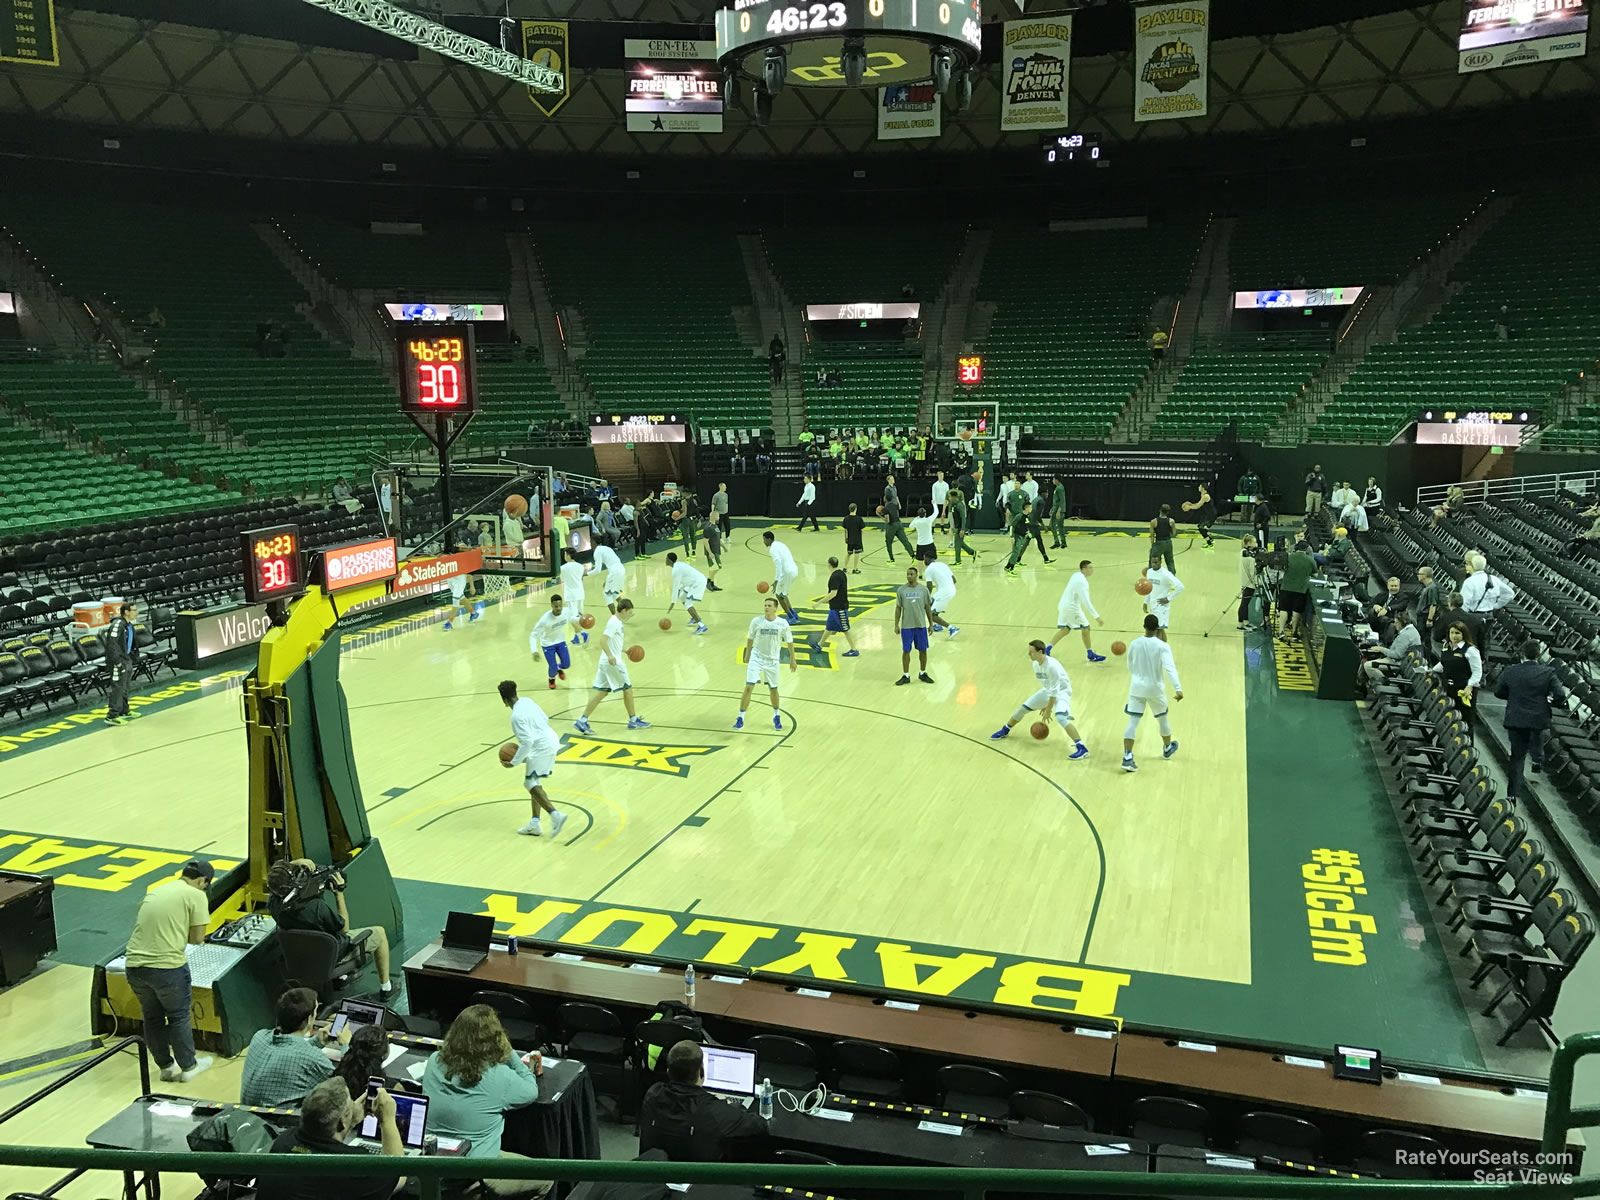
column 171, row 917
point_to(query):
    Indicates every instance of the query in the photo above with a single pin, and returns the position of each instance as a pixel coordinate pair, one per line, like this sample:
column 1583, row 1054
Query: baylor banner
column 1171, row 53
column 908, row 110
column 1036, row 61
column 544, row 43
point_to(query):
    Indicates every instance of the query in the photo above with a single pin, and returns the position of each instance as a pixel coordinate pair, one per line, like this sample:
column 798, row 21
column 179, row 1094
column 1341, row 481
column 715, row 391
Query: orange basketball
column 586, row 621
column 677, row 515
column 1039, row 730
column 966, row 435
column 665, row 623
column 1119, row 648
column 508, row 752
column 763, row 586
column 515, row 506
column 880, row 510
column 636, row 653
column 1144, row 587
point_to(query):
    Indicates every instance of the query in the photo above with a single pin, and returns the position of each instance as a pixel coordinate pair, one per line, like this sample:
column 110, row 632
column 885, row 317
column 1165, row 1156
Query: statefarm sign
column 420, row 575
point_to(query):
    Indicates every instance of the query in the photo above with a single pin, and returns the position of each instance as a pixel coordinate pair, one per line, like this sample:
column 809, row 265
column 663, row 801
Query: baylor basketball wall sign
column 545, row 44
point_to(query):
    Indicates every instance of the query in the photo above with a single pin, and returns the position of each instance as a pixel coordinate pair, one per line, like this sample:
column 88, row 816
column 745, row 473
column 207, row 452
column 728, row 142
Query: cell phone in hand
column 374, row 1082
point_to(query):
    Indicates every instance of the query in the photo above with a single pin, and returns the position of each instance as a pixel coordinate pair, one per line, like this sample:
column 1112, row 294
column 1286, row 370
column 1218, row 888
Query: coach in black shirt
column 688, row 1122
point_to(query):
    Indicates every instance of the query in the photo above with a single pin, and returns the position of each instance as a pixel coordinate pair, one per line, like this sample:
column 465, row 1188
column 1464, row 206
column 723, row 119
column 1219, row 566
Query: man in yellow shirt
column 171, row 918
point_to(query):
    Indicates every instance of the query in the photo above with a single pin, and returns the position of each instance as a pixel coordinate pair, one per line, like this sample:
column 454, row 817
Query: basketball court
column 880, row 837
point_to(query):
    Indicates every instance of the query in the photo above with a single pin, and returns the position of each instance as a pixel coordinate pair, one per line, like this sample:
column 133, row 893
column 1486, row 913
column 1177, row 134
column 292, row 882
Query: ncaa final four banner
column 909, row 110
column 673, row 85
column 1036, row 58
column 1507, row 33
column 1171, row 53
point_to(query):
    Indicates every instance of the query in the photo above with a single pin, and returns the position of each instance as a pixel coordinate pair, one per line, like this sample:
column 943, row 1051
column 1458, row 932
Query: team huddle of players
column 922, row 607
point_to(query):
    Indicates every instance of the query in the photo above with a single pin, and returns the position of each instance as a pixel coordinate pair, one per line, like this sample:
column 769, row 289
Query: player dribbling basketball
column 605, row 559
column 572, row 573
column 549, row 638
column 1054, row 694
column 537, row 745
column 763, row 649
column 611, row 673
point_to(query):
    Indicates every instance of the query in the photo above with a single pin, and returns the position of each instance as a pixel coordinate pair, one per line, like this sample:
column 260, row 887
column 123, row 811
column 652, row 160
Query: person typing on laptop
column 327, row 1118
column 285, row 1062
column 689, row 1122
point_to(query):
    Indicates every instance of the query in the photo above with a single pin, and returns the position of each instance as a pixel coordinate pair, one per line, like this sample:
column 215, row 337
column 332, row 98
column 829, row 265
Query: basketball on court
column 515, row 506
column 636, row 653
column 586, row 621
column 508, row 752
column 665, row 622
column 677, row 514
column 880, row 510
column 763, row 586
column 1040, row 730
column 1119, row 648
column 1144, row 587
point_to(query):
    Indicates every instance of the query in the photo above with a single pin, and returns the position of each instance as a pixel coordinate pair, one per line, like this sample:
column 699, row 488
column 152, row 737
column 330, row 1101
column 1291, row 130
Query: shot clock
column 273, row 568
column 969, row 370
column 437, row 373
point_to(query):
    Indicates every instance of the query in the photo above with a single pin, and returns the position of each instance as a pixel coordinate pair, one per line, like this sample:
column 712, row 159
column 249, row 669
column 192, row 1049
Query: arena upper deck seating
column 874, row 390
column 460, row 263
column 657, row 305
column 1061, row 355
column 843, row 262
column 1220, row 387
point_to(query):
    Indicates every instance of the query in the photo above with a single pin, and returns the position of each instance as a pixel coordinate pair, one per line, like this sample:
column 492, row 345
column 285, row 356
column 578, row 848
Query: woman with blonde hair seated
column 471, row 1082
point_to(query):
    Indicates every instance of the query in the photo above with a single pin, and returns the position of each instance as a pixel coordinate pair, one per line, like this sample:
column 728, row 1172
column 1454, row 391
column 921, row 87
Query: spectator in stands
column 1158, row 350
column 1380, row 613
column 1316, row 489
column 605, row 491
column 775, row 358
column 1336, row 549
column 385, row 497
column 625, row 513
column 285, row 1062
column 680, row 1117
column 157, row 319
column 1482, row 594
column 1406, row 639
column 1428, row 602
column 364, row 1058
column 1461, row 665
column 486, row 540
column 1353, row 515
column 559, row 487
column 327, row 1117
column 170, row 919
column 1372, row 499
column 471, row 1082
column 342, row 490
column 737, row 463
column 907, row 291
column 1588, row 536
column 1449, row 615
column 1529, row 688
column 764, row 455
column 122, row 658
column 1343, row 496
column 1502, row 324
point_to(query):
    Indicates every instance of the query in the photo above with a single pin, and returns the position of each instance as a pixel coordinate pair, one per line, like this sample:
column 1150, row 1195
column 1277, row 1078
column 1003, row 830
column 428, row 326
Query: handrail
column 84, row 1068
column 970, row 1181
column 1559, row 1115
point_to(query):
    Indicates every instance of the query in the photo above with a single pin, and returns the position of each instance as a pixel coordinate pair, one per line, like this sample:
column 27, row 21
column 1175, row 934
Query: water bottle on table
column 766, row 1099
column 688, row 984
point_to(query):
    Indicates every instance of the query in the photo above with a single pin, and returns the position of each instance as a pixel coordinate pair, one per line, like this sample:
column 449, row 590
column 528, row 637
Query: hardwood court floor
column 880, row 810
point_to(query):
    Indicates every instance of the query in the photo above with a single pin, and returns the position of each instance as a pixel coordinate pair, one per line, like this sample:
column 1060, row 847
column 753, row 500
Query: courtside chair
column 1393, row 1154
column 790, row 1063
column 596, row 1037
column 1276, row 1135
column 1171, row 1121
column 313, row 959
column 516, row 1018
column 1534, row 980
column 867, row 1070
column 1500, row 933
column 966, row 1088
column 1049, row 1109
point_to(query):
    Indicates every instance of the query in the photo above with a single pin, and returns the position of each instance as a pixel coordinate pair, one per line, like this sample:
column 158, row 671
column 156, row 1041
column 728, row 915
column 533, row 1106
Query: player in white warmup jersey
column 764, row 649
column 1076, row 610
column 941, row 503
column 688, row 589
column 549, row 638
column 1150, row 665
column 784, row 573
column 537, row 745
column 942, row 586
column 1165, row 587
column 605, row 559
column 1054, row 695
column 572, row 573
column 611, row 673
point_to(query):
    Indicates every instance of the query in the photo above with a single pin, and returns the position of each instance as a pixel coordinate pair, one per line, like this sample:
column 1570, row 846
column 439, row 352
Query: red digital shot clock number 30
column 436, row 372
column 969, row 370
column 273, row 567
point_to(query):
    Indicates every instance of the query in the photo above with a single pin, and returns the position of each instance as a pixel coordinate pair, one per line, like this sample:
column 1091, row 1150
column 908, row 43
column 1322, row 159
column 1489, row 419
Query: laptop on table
column 730, row 1073
column 410, row 1114
column 353, row 1014
column 466, row 942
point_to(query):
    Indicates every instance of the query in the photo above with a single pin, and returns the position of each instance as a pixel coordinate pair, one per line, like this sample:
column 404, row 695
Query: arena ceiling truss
column 125, row 75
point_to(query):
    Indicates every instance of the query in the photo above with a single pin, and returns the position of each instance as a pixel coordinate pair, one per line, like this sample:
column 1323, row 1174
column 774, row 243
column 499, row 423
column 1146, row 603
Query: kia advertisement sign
column 419, row 576
column 351, row 565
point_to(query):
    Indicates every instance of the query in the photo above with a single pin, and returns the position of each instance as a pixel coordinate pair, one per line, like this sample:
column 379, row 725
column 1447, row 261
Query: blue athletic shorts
column 914, row 639
column 838, row 620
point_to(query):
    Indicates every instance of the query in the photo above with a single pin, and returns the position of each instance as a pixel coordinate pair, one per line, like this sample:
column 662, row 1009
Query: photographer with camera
column 298, row 899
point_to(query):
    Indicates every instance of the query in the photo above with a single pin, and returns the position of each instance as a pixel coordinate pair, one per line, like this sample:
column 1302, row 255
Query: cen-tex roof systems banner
column 1036, row 66
column 1171, row 53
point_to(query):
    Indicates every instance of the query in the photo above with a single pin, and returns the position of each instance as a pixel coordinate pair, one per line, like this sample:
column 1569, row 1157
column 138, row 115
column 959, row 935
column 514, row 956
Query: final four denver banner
column 1171, row 56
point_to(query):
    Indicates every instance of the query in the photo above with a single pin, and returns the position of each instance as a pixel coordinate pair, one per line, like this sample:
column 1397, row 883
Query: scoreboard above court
column 1475, row 427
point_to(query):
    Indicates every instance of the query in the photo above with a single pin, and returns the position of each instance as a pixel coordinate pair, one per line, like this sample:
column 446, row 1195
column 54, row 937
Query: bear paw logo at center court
column 1172, row 67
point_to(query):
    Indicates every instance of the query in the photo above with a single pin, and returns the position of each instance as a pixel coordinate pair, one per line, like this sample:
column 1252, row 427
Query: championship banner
column 909, row 110
column 28, row 32
column 1036, row 57
column 673, row 86
column 544, row 43
column 1171, row 55
column 1508, row 33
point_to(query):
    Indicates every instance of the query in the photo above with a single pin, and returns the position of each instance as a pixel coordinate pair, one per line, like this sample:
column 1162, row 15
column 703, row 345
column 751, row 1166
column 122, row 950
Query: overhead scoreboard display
column 1072, row 149
column 437, row 374
column 674, row 86
column 274, row 568
column 896, row 38
column 1509, row 33
column 28, row 32
column 614, row 429
column 1475, row 427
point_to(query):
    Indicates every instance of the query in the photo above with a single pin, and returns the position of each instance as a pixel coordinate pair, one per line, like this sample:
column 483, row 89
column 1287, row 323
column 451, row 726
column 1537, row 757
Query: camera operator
column 299, row 894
